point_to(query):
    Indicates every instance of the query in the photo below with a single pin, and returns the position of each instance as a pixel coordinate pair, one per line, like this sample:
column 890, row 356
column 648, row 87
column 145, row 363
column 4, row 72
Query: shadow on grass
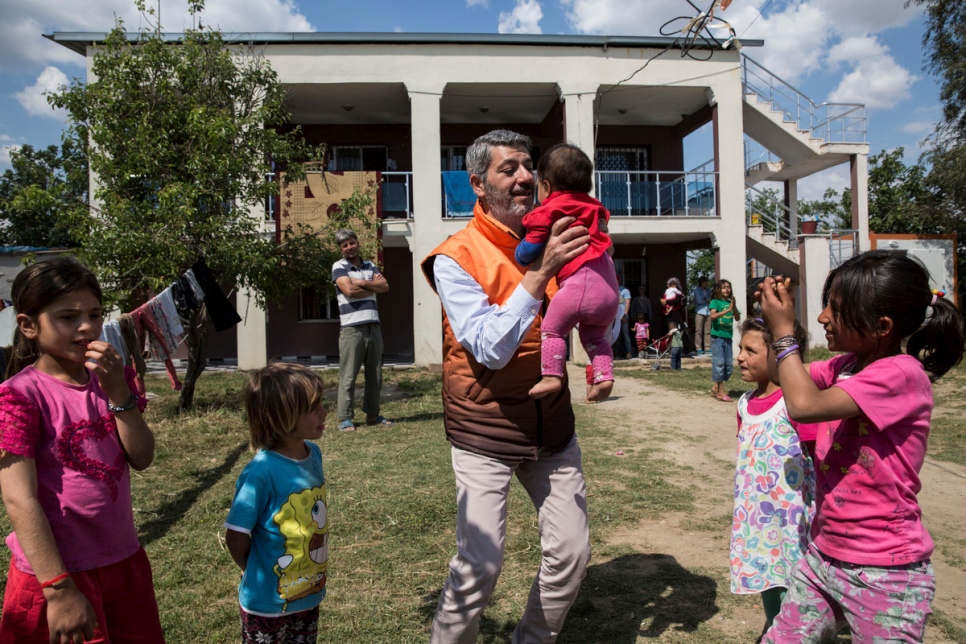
column 418, row 418
column 170, row 512
column 620, row 601
column 639, row 595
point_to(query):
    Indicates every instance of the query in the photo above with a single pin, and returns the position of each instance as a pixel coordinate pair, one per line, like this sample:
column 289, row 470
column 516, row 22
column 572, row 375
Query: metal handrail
column 658, row 193
column 843, row 244
column 830, row 122
column 775, row 221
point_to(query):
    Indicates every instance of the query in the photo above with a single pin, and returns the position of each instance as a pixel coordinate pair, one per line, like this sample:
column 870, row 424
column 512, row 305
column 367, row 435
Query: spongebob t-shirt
column 281, row 504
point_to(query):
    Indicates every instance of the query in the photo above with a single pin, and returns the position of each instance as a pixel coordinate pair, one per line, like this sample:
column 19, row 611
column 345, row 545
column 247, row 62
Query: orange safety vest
column 488, row 411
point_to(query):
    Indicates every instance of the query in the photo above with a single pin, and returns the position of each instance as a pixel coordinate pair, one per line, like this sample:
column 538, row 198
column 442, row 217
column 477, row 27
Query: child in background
column 277, row 528
column 774, row 481
column 72, row 428
column 642, row 334
column 673, row 301
column 588, row 284
column 724, row 314
column 869, row 555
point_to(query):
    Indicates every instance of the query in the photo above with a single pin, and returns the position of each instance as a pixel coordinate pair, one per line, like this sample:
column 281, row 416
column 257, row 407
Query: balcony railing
column 397, row 195
column 660, row 194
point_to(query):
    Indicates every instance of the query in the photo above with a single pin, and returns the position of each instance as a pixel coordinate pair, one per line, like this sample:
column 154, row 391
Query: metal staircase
column 805, row 137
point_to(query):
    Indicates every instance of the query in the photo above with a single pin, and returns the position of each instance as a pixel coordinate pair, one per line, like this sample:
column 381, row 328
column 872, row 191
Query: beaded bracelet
column 131, row 403
column 782, row 343
column 50, row 582
column 787, row 352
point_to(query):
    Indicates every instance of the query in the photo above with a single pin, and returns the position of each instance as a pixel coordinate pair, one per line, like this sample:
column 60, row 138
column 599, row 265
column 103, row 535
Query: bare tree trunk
column 197, row 339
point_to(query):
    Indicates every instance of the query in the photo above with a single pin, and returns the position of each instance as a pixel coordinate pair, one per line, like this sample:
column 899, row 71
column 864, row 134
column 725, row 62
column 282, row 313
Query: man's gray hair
column 478, row 154
column 345, row 235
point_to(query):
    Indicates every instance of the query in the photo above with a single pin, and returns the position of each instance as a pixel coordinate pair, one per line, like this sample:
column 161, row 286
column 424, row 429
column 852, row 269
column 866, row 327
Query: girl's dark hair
column 757, row 324
column 716, row 291
column 37, row 286
column 566, row 167
column 893, row 284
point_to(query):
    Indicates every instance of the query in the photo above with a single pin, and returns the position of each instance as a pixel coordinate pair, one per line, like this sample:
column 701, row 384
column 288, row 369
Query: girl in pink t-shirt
column 869, row 558
column 70, row 427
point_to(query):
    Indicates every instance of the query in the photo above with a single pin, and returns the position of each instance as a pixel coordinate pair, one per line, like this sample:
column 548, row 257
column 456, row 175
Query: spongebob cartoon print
column 303, row 521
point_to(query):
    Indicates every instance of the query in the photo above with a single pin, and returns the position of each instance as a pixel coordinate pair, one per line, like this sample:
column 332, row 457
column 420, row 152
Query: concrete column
column 578, row 100
column 424, row 99
column 859, row 171
column 730, row 231
column 814, row 267
column 252, row 332
column 791, row 202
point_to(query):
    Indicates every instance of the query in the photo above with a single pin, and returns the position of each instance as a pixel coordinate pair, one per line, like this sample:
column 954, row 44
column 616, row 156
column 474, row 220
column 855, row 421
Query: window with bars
column 629, row 159
column 315, row 306
column 453, row 157
column 367, row 158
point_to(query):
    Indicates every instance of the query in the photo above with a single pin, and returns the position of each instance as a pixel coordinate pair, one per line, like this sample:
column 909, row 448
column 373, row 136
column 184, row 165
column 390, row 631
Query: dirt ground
column 701, row 434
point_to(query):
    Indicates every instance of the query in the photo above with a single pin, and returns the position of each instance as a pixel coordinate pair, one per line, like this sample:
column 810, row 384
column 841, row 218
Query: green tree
column 39, row 191
column 181, row 137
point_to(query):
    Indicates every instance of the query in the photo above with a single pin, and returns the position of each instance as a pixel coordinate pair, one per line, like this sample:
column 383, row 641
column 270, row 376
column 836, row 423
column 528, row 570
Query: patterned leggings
column 302, row 627
column 880, row 604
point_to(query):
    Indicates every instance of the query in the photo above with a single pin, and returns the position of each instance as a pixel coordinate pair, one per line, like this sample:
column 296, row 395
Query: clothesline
column 157, row 327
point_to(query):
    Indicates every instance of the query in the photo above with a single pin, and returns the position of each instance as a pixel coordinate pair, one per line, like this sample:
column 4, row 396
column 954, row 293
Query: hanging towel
column 195, row 287
column 147, row 326
column 111, row 333
column 166, row 299
column 223, row 315
column 129, row 334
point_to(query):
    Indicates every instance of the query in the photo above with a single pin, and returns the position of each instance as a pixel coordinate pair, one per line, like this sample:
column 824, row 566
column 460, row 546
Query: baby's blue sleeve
column 527, row 252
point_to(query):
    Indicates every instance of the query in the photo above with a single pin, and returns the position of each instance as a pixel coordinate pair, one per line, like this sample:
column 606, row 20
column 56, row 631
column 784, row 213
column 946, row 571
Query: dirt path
column 700, row 436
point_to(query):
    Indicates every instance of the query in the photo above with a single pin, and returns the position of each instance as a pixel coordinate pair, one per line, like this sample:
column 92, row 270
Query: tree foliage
column 39, row 191
column 183, row 138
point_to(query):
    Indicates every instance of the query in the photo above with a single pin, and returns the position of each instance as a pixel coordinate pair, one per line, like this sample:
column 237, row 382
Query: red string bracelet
column 50, row 582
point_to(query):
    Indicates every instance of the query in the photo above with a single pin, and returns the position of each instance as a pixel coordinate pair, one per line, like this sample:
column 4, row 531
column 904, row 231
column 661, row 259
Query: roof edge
column 78, row 41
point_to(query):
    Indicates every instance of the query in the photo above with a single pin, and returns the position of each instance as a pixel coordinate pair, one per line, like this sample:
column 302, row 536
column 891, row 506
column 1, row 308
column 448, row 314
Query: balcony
column 625, row 194
column 658, row 194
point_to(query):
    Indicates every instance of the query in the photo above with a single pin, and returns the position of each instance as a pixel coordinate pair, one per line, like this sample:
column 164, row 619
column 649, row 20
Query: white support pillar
column 251, row 339
column 424, row 100
column 731, row 234
column 791, row 202
column 578, row 100
column 252, row 332
column 859, row 171
column 814, row 266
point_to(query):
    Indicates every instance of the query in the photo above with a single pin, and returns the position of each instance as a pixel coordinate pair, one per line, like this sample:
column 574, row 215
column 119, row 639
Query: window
column 313, row 306
column 453, row 157
column 621, row 159
column 368, row 158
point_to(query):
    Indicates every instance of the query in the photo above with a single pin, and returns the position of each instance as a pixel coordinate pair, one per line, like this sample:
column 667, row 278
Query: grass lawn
column 392, row 511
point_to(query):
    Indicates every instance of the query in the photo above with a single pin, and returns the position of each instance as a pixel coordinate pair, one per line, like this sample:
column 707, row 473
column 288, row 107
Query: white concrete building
column 407, row 105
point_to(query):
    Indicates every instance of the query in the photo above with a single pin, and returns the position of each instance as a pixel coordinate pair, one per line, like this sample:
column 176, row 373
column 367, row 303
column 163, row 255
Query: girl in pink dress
column 868, row 560
column 70, row 429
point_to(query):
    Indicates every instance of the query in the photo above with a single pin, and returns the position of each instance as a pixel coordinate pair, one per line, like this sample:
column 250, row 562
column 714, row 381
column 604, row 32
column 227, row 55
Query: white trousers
column 556, row 486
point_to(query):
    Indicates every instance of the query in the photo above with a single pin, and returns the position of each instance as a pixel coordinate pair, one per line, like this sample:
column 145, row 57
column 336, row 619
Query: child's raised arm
column 134, row 433
column 68, row 610
column 805, row 402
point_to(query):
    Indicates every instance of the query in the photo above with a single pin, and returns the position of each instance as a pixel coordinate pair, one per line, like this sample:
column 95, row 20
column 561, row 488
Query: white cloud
column 918, row 127
column 23, row 46
column 33, row 97
column 814, row 186
column 524, row 19
column 876, row 79
column 5, row 149
column 478, row 3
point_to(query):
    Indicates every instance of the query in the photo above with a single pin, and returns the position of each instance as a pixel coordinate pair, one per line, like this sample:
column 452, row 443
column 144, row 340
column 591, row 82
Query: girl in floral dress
column 774, row 482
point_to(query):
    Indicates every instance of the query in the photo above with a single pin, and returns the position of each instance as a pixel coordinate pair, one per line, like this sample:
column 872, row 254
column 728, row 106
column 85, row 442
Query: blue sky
column 867, row 51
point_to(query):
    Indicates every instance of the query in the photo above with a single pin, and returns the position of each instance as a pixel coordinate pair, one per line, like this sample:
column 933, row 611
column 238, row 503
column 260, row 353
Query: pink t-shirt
column 83, row 481
column 867, row 469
